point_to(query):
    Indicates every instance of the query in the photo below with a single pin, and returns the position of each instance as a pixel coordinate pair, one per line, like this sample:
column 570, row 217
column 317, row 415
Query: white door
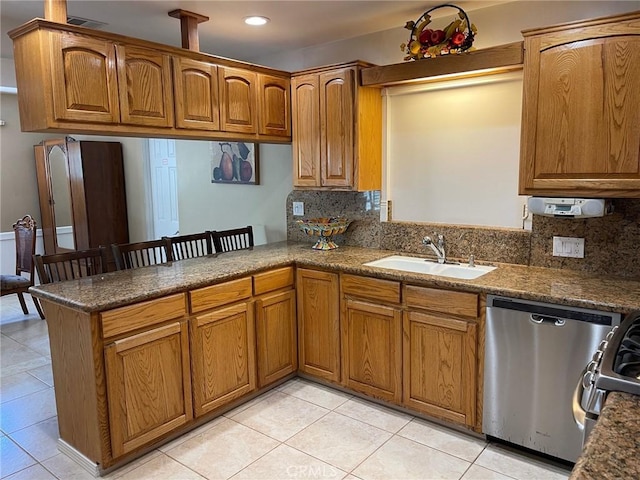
column 164, row 186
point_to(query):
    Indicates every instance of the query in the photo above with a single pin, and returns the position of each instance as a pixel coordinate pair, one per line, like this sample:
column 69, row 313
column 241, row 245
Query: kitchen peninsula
column 111, row 334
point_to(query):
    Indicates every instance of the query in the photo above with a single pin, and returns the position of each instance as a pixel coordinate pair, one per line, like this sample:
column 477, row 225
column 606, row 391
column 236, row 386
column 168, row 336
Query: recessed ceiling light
column 256, row 20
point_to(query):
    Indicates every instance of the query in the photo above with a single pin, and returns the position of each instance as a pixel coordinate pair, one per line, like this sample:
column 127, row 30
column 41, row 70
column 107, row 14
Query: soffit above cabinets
column 478, row 62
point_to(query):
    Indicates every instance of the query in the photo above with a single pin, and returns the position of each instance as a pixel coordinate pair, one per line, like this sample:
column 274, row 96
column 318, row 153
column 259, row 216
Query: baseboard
column 89, row 465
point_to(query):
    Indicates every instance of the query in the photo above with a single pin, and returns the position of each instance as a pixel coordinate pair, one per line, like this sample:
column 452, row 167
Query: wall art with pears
column 234, row 162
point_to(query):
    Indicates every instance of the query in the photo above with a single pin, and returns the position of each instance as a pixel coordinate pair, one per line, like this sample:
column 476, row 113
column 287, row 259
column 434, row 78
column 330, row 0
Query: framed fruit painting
column 234, row 162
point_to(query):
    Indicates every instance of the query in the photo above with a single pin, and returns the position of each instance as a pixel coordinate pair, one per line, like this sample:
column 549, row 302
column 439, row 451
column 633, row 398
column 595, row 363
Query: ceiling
column 293, row 25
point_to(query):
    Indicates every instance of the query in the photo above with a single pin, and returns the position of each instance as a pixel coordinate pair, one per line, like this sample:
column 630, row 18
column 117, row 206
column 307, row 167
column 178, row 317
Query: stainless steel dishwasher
column 533, row 354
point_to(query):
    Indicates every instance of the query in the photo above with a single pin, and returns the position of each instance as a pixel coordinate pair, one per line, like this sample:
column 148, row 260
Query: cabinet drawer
column 132, row 317
column 221, row 294
column 372, row 288
column 272, row 280
column 446, row 301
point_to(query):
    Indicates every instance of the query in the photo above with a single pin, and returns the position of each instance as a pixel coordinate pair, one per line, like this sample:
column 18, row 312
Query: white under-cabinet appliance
column 569, row 207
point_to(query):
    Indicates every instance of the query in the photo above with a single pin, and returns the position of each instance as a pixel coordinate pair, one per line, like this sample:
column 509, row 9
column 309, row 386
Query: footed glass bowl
column 324, row 228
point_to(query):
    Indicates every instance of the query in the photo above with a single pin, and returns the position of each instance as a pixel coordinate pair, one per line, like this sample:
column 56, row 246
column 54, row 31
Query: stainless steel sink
column 420, row 265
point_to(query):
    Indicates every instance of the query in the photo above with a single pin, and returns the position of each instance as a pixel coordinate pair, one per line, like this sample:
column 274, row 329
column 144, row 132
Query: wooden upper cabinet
column 238, row 100
column 305, row 112
column 79, row 80
column 337, row 125
column 146, row 96
column 84, row 79
column 274, row 105
column 337, row 129
column 581, row 109
column 196, row 94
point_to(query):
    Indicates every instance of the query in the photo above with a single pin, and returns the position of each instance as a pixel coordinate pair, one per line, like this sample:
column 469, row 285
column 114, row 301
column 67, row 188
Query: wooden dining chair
column 191, row 246
column 234, row 239
column 25, row 237
column 142, row 254
column 60, row 267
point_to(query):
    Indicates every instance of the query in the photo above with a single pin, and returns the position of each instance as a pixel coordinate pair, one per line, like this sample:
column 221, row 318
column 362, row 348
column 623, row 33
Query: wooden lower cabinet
column 222, row 356
column 440, row 354
column 276, row 336
column 372, row 349
column 318, row 323
column 371, row 328
column 148, row 385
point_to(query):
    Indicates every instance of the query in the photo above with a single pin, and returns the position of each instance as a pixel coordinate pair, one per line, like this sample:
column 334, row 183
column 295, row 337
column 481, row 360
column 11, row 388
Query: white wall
column 453, row 151
column 203, row 205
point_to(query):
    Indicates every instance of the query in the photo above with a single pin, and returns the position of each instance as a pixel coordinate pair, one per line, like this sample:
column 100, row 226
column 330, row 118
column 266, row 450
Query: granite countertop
column 612, row 449
column 116, row 289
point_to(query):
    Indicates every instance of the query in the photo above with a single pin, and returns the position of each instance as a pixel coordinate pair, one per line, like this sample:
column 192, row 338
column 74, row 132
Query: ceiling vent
column 85, row 22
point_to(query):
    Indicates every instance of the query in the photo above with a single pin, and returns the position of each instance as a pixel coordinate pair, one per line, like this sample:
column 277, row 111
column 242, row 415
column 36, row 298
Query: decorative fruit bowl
column 325, row 228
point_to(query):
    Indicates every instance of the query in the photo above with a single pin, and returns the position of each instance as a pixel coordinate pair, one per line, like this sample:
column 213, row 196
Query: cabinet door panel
column 275, row 108
column 372, row 349
column 306, row 127
column 85, row 85
column 223, row 358
column 581, row 111
column 337, row 126
column 149, row 386
column 146, row 96
column 440, row 366
column 276, row 337
column 238, row 100
column 578, row 135
column 196, row 94
column 318, row 323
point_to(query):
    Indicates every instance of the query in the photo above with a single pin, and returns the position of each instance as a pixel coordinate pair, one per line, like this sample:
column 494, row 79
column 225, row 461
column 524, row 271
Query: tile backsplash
column 612, row 243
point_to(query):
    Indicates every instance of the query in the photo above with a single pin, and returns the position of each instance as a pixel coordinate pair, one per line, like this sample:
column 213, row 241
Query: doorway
column 164, row 187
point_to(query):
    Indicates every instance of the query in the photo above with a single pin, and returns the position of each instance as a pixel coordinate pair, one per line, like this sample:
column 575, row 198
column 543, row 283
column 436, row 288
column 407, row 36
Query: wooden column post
column 189, row 28
column 55, row 10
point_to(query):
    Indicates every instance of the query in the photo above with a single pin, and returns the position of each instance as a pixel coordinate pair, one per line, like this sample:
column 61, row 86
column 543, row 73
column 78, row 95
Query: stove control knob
column 588, row 379
column 597, row 356
column 603, row 345
column 610, row 334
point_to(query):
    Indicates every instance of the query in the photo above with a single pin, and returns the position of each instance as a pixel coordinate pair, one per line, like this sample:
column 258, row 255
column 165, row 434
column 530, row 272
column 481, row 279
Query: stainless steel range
column 615, row 366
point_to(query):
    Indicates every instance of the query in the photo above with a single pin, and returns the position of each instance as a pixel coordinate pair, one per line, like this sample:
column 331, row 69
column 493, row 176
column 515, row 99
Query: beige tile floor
column 300, row 430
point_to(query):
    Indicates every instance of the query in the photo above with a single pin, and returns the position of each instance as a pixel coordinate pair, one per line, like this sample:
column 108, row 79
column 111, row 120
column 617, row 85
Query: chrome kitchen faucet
column 437, row 249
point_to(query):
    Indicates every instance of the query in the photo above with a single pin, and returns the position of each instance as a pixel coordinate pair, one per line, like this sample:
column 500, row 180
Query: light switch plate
column 568, row 247
column 298, row 209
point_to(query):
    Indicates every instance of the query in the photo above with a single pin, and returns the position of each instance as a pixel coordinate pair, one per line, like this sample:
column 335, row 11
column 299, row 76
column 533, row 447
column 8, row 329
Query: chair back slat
column 191, row 246
column 234, row 239
column 71, row 265
column 142, row 254
column 25, row 235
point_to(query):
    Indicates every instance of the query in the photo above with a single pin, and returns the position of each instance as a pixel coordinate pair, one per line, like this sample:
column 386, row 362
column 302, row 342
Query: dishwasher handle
column 545, row 319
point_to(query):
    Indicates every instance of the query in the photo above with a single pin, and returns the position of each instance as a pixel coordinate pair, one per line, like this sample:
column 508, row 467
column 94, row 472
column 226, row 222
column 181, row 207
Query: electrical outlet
column 568, row 247
column 298, row 209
